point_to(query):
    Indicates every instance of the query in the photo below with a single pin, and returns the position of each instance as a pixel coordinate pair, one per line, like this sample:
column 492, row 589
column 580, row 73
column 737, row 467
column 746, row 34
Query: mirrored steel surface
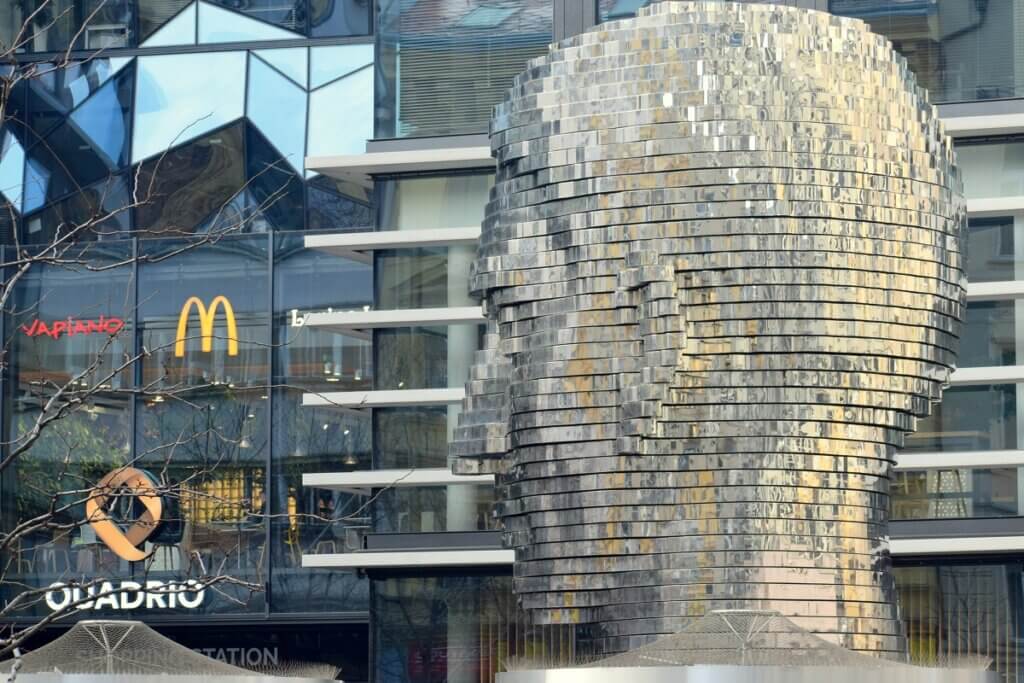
column 723, row 267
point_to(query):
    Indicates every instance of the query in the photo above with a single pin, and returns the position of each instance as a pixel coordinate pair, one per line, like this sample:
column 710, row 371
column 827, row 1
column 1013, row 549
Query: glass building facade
column 175, row 163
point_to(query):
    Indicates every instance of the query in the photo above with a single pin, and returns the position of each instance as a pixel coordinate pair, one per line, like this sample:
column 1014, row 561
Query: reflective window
column 443, row 66
column 415, row 436
column 990, row 334
column 340, row 18
column 69, row 330
column 337, row 206
column 963, row 611
column 202, row 414
column 154, row 14
column 432, row 277
column 964, row 492
column 192, row 184
column 218, row 25
column 991, row 250
column 97, row 212
column 274, row 189
column 173, row 102
column 331, row 62
column 425, row 357
column 459, row 507
column 969, row 418
column 959, row 50
column 308, row 439
column 293, row 62
column 994, row 169
column 347, row 99
column 53, row 93
column 455, row 628
column 278, row 108
column 456, row 201
column 54, row 24
column 619, row 9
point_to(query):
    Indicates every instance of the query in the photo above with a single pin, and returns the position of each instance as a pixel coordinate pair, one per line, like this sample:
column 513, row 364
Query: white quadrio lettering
column 106, row 595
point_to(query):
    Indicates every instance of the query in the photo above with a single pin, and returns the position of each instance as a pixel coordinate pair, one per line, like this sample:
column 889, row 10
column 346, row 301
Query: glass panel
column 278, row 108
column 992, row 169
column 101, row 123
column 619, row 9
column 439, row 202
column 173, row 104
column 442, row 72
column 293, row 62
column 336, row 205
column 432, row 277
column 432, row 629
column 97, row 24
column 459, row 507
column 46, row 178
column 55, row 92
column 12, row 169
column 334, row 61
column 411, row 437
column 97, row 212
column 274, row 191
column 202, row 415
column 959, row 50
column 308, row 439
column 425, row 357
column 961, row 611
column 191, row 183
column 971, row 418
column 329, row 18
column 964, row 492
column 341, row 115
column 989, row 336
column 991, row 249
column 171, row 25
column 69, row 329
column 218, row 25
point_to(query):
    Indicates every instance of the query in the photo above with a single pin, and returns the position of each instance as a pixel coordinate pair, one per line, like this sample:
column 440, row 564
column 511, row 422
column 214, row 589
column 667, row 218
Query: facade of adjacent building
column 322, row 166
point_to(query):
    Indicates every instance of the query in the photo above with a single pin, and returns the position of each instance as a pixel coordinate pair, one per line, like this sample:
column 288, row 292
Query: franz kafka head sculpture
column 723, row 272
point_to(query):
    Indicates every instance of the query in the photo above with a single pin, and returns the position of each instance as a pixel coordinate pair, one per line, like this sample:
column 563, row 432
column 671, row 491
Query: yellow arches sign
column 206, row 319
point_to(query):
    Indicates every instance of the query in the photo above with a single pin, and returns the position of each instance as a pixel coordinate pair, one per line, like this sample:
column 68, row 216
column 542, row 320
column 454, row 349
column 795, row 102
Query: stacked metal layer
column 723, row 270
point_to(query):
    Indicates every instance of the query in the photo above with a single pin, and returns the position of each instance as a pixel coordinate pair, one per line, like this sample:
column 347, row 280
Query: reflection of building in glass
column 240, row 95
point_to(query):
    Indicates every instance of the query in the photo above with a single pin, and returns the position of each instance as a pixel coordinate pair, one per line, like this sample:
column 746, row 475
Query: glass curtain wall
column 212, row 410
column 444, row 65
column 961, row 611
column 427, row 357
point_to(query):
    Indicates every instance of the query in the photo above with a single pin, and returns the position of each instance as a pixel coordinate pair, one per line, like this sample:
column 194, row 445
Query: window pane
column 941, row 493
column 217, row 25
column 173, row 103
column 337, row 206
column 190, row 184
column 956, row 611
column 309, row 439
column 989, row 336
column 432, row 277
column 411, row 437
column 992, row 169
column 991, row 249
column 425, row 357
column 153, row 14
column 971, row 418
column 67, row 339
column 460, row 507
column 455, row 628
column 202, row 417
column 97, row 24
column 443, row 66
column 97, row 212
column 341, row 115
column 439, row 202
column 278, row 108
column 329, row 18
column 959, row 50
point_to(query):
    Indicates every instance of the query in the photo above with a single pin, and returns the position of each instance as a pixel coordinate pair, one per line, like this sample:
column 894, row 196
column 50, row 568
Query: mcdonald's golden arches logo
column 138, row 483
column 206, row 320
